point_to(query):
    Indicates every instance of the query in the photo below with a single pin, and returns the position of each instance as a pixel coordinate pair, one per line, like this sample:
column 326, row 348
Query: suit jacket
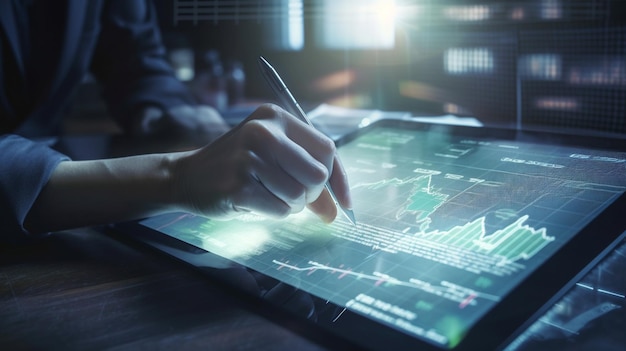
column 117, row 40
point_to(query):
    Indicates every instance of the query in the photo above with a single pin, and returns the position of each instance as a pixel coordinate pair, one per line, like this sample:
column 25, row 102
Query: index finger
column 324, row 206
column 339, row 183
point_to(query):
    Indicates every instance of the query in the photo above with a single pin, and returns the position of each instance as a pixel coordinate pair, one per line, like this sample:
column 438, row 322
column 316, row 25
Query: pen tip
column 350, row 216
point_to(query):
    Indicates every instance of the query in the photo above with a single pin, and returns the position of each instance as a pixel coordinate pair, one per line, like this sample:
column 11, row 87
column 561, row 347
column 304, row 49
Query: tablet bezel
column 507, row 318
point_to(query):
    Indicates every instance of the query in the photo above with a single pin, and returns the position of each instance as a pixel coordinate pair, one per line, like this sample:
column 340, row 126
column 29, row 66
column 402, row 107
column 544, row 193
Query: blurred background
column 534, row 64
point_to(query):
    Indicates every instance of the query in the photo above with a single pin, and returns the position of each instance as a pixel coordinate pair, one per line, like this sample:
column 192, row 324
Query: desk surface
column 82, row 290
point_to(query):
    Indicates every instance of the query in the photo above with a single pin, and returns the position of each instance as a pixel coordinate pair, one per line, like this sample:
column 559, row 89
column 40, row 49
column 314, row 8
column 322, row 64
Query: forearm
column 81, row 193
column 272, row 164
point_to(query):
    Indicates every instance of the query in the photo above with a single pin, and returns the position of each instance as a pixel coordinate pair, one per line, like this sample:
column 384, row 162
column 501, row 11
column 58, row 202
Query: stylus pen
column 290, row 103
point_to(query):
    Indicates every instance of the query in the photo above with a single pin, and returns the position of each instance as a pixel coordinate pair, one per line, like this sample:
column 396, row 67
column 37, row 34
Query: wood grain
column 82, row 290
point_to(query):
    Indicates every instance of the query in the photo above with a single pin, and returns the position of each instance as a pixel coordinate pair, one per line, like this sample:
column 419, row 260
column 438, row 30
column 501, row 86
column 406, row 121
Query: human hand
column 272, row 164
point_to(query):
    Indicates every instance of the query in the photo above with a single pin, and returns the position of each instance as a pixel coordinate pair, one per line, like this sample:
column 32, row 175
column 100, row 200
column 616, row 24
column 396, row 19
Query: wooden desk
column 82, row 290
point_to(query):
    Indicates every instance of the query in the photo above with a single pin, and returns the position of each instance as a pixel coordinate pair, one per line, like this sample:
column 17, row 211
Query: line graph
column 516, row 241
column 464, row 296
column 439, row 240
column 422, row 199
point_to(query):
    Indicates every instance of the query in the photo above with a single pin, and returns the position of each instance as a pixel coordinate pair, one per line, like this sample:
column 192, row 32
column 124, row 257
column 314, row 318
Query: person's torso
column 45, row 51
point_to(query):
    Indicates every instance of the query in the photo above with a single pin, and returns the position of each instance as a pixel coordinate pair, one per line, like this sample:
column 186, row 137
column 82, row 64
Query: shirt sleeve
column 130, row 62
column 25, row 168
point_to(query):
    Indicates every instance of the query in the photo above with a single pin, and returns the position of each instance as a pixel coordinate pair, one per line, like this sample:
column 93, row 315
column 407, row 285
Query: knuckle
column 319, row 174
column 268, row 110
column 257, row 131
column 328, row 146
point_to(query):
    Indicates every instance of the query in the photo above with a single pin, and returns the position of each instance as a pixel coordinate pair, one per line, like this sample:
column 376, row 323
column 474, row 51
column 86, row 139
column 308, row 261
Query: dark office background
column 548, row 64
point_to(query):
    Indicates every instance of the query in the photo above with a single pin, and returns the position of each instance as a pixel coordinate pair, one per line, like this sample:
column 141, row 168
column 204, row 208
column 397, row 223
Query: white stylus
column 290, row 103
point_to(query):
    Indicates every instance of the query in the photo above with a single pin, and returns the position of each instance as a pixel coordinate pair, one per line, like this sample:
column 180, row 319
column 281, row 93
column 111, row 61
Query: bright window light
column 287, row 31
column 356, row 24
column 468, row 60
column 557, row 103
column 467, row 13
column 551, row 9
column 295, row 24
column 603, row 71
column 540, row 66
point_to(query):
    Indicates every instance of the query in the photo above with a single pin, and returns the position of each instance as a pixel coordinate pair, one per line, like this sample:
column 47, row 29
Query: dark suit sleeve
column 130, row 61
column 26, row 167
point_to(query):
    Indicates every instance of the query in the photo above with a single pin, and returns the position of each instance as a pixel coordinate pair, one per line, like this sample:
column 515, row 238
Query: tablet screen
column 448, row 224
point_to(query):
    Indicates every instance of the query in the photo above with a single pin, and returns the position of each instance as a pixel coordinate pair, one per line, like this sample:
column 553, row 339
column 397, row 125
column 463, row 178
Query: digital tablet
column 463, row 236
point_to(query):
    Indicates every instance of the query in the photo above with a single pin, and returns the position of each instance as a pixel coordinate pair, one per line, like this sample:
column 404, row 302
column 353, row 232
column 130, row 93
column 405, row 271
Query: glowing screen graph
column 447, row 226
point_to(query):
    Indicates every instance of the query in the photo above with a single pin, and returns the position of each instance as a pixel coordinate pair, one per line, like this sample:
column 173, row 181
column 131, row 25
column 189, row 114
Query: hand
column 271, row 163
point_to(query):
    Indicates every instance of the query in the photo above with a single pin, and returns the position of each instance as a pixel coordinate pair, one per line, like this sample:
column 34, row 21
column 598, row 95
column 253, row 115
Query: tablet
column 463, row 236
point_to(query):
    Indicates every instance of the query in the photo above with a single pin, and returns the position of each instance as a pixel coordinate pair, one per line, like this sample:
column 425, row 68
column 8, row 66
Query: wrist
column 178, row 188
